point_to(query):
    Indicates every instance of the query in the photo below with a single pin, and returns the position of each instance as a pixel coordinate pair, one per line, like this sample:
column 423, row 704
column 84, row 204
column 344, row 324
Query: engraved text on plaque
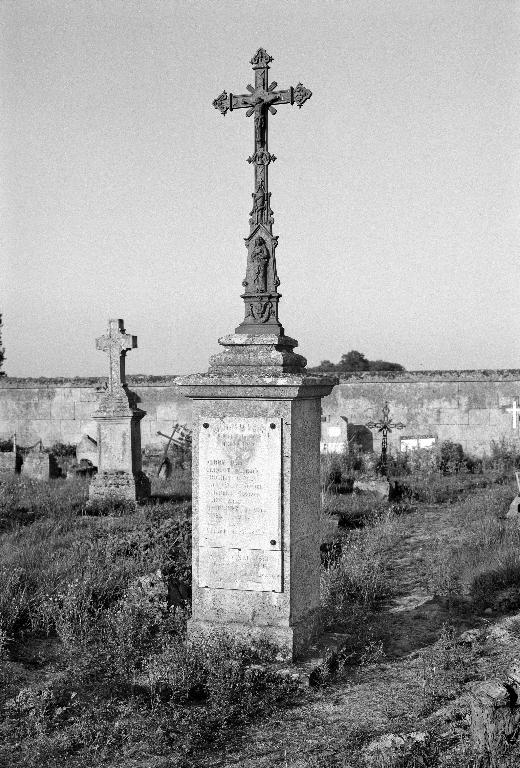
column 240, row 470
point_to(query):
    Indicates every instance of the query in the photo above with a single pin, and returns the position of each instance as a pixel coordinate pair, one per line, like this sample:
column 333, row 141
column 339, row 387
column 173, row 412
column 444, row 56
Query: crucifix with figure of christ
column 261, row 282
column 115, row 344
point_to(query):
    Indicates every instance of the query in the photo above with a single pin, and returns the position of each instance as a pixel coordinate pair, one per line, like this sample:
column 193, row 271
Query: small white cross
column 514, row 410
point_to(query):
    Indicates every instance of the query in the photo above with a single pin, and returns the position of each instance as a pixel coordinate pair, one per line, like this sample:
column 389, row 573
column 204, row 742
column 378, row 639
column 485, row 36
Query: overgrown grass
column 109, row 595
column 96, row 608
column 131, row 683
column 480, row 558
column 83, row 563
column 361, row 575
column 22, row 500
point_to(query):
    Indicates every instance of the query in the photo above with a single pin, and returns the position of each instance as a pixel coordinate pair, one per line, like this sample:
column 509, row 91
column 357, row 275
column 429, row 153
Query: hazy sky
column 126, row 194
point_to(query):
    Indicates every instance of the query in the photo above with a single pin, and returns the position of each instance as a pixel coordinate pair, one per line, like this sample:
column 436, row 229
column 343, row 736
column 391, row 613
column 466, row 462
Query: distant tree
column 383, row 365
column 353, row 361
column 326, row 365
column 2, row 350
column 356, row 361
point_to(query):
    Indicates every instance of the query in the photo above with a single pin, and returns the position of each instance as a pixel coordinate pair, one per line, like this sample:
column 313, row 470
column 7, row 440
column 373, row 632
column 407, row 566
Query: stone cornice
column 403, row 377
column 97, row 382
column 368, row 377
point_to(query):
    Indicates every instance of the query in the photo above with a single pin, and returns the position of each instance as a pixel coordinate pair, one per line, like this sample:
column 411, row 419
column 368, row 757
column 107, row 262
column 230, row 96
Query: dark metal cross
column 261, row 282
column 116, row 343
column 385, row 426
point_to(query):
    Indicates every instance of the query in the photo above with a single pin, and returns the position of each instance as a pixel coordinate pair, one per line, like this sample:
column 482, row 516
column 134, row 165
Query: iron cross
column 385, row 426
column 116, row 343
column 261, row 281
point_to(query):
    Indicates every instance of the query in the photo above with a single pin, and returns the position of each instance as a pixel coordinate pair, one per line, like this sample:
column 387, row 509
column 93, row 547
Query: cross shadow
column 133, row 397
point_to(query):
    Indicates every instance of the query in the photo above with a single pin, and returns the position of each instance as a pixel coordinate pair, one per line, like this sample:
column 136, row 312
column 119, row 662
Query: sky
column 125, row 194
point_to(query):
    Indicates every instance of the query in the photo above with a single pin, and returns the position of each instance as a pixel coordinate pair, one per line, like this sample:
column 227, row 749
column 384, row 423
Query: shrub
column 72, row 567
column 480, row 557
column 354, row 509
column 362, row 574
column 445, row 667
column 62, row 449
column 133, row 678
column 451, row 457
column 504, row 457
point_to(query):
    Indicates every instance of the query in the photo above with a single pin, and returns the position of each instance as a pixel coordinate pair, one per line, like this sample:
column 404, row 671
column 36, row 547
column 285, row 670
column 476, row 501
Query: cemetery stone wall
column 472, row 408
column 469, row 407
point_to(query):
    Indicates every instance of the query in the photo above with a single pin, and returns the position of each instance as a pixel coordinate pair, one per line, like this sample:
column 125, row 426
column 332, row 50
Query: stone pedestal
column 256, row 493
column 120, row 476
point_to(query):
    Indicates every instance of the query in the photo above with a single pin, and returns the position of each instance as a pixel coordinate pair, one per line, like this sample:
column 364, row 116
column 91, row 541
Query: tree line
column 355, row 361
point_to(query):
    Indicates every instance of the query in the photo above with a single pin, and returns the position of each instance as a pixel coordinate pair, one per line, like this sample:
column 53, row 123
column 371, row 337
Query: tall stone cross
column 261, row 282
column 116, row 343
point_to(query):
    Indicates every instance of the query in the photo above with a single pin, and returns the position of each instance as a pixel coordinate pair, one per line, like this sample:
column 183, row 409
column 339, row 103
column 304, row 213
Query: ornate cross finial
column 261, row 282
column 116, row 343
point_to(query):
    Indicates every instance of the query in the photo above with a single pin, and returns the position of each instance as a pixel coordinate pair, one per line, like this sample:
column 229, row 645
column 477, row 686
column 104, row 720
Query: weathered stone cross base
column 120, row 476
column 256, row 494
column 117, row 485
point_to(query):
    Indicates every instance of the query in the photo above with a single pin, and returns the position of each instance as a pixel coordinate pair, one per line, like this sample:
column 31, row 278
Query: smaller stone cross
column 116, row 343
column 514, row 411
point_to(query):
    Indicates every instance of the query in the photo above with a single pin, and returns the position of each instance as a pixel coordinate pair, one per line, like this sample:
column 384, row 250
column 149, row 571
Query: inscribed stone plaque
column 240, row 470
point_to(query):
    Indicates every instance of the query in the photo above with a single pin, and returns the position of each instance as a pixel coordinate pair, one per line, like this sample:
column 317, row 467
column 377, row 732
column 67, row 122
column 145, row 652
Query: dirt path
column 331, row 724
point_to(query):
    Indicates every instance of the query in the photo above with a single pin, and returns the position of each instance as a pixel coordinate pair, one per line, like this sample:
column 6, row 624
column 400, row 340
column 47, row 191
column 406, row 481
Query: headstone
column 379, row 486
column 9, row 460
column 87, row 448
column 120, row 476
column 514, row 508
column 370, row 481
column 359, row 434
column 414, row 443
column 256, row 443
column 36, row 463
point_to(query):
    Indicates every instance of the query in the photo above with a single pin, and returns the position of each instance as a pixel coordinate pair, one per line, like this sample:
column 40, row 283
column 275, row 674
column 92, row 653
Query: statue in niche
column 259, row 204
column 260, row 260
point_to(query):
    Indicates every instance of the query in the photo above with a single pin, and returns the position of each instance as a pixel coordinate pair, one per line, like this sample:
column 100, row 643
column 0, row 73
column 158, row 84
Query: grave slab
column 36, row 464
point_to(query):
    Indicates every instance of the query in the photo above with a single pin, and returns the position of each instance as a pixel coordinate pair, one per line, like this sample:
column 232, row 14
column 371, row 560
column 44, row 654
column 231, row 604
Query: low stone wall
column 469, row 407
column 60, row 410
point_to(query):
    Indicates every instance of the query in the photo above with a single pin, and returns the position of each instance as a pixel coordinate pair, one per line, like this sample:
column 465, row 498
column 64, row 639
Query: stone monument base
column 118, row 485
column 256, row 494
column 290, row 641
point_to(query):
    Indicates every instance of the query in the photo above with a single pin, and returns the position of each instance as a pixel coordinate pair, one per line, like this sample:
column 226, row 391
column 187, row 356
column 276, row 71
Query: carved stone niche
column 261, row 275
